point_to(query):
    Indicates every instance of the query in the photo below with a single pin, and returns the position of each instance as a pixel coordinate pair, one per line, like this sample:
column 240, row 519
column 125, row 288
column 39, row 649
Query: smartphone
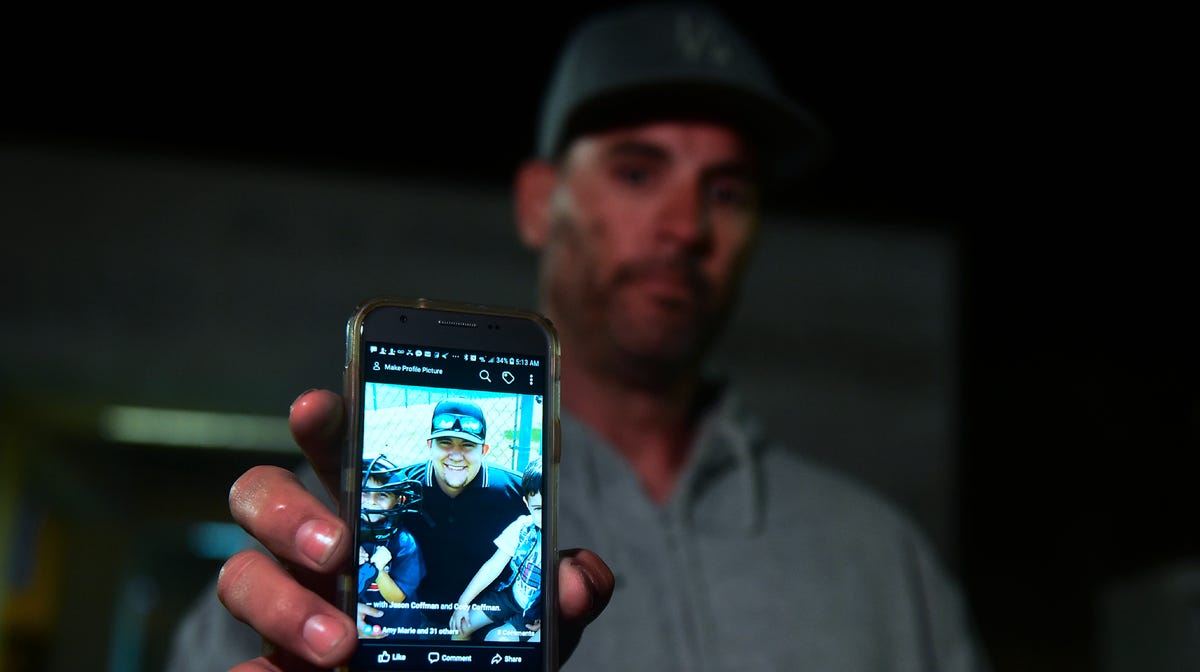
column 449, row 482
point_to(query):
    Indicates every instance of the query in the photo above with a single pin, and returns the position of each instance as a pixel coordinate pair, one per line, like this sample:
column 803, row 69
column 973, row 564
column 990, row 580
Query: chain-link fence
column 397, row 418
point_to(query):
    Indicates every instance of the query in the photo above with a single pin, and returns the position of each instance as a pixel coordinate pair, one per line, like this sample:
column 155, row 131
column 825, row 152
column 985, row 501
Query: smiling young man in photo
column 468, row 502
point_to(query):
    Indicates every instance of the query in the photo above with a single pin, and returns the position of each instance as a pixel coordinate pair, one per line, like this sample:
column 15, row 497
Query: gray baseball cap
column 647, row 62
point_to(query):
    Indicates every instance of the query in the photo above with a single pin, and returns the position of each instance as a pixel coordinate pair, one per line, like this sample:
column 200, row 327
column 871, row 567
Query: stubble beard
column 616, row 327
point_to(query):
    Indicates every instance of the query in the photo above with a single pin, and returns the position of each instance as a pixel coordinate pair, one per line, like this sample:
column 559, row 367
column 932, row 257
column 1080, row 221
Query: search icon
column 484, row 375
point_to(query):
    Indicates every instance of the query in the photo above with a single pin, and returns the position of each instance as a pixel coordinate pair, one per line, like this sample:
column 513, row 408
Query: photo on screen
column 450, row 526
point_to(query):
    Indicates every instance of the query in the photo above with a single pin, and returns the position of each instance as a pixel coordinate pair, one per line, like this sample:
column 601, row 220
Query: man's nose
column 683, row 219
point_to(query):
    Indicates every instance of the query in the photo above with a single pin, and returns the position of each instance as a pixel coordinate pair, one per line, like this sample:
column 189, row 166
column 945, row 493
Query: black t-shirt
column 456, row 534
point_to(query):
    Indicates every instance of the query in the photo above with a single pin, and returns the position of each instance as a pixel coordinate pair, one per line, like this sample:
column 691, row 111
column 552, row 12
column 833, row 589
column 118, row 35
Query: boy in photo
column 390, row 565
column 517, row 598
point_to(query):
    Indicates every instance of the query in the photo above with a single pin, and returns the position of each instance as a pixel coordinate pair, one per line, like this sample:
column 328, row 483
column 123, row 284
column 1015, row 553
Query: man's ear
column 486, row 448
column 534, row 189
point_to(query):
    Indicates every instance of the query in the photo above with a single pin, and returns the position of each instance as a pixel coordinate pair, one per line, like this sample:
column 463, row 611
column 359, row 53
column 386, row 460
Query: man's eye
column 633, row 176
column 736, row 195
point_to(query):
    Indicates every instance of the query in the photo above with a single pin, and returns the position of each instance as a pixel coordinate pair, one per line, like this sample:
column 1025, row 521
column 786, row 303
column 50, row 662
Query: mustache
column 679, row 266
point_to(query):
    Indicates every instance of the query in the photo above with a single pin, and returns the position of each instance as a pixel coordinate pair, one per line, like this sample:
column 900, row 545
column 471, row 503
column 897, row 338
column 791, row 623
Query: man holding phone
column 660, row 128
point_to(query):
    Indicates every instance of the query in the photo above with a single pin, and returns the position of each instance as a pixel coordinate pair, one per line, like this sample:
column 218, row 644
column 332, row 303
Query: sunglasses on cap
column 465, row 423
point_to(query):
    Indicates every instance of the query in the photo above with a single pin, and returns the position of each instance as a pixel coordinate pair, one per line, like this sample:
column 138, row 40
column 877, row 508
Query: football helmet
column 379, row 474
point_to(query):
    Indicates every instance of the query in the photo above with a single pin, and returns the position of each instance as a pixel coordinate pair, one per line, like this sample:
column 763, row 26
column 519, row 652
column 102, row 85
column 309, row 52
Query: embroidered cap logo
column 697, row 41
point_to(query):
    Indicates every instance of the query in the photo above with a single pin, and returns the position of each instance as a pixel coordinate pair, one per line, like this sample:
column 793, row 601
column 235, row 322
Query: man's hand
column 292, row 609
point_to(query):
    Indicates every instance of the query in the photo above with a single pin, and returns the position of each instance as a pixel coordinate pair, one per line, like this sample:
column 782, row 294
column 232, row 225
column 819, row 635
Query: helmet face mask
column 381, row 475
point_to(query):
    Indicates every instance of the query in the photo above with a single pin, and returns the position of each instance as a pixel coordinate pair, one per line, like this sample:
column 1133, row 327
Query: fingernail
column 323, row 633
column 299, row 397
column 316, row 539
column 586, row 576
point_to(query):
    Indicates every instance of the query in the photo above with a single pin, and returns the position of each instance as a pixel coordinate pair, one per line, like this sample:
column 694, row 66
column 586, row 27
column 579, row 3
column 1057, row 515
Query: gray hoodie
column 759, row 561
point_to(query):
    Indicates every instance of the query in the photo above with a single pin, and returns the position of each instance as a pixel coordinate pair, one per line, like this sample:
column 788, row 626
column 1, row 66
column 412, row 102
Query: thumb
column 585, row 586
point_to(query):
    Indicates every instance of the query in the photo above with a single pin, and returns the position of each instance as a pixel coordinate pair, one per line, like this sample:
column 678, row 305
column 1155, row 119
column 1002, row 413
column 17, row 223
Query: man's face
column 456, row 462
column 651, row 226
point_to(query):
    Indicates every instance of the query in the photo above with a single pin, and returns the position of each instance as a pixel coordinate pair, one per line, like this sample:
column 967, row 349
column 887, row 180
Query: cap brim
column 790, row 142
column 456, row 434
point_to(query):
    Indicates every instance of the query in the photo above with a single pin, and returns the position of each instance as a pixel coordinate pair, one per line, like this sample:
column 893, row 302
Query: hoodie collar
column 719, row 488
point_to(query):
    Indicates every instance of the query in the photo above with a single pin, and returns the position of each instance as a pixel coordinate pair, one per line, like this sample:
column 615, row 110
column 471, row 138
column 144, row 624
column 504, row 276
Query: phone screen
column 450, row 485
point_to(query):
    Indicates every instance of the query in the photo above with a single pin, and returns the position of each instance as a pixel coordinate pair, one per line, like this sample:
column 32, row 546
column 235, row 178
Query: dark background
column 1040, row 143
